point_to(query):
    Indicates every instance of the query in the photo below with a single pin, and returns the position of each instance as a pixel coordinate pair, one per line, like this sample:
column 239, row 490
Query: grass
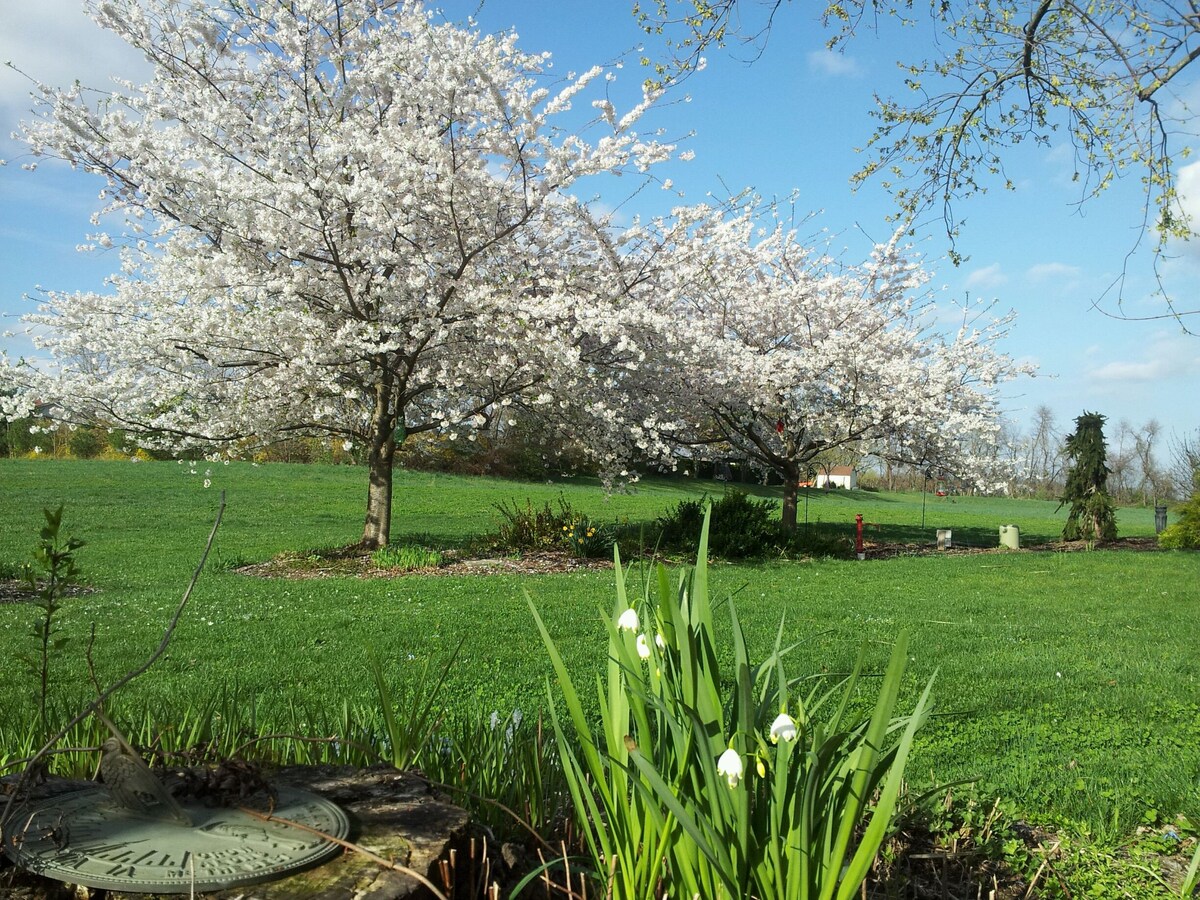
column 1067, row 683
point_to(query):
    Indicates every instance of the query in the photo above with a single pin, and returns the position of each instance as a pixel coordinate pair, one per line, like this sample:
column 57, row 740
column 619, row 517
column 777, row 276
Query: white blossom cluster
column 777, row 352
column 343, row 217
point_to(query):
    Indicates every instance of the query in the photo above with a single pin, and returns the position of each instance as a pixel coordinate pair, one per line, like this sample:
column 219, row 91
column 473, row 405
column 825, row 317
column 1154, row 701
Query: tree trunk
column 381, row 455
column 791, row 481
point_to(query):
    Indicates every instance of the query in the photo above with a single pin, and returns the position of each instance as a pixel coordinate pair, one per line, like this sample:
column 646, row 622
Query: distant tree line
column 1145, row 465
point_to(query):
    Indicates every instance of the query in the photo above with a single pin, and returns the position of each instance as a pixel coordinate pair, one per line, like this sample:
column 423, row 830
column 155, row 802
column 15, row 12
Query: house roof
column 842, row 470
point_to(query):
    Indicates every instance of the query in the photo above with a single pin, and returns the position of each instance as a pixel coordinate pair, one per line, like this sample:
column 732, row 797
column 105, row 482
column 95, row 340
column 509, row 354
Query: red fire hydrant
column 858, row 538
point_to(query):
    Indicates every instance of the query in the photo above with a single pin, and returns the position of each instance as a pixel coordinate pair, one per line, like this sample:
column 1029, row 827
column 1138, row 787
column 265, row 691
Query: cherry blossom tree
column 345, row 218
column 779, row 353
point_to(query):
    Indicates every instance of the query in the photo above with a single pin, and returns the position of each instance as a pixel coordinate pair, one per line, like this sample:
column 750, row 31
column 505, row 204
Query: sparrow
column 135, row 788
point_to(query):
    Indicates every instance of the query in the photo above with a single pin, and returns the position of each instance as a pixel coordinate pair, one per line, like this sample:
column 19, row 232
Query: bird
column 134, row 787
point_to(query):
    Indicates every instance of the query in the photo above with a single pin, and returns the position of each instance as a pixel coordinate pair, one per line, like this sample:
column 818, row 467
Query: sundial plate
column 84, row 838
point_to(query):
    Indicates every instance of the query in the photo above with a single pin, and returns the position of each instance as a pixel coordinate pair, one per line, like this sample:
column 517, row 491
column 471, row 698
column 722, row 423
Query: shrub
column 741, row 526
column 528, row 527
column 1185, row 533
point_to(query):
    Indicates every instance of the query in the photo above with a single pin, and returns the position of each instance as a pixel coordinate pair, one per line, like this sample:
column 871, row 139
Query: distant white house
column 838, row 476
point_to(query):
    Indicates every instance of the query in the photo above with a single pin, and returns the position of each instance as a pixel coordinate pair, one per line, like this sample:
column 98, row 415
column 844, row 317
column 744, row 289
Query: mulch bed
column 885, row 550
column 358, row 565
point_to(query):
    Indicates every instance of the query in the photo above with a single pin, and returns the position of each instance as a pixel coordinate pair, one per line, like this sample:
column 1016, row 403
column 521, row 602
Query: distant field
column 1067, row 682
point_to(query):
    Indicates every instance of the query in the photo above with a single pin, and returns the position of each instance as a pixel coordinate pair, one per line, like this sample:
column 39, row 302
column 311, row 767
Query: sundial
column 86, row 837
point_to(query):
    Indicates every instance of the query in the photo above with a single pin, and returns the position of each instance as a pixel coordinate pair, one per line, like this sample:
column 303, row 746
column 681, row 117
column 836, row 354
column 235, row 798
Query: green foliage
column 1191, row 879
column 15, row 438
column 503, row 769
column 1092, row 516
column 406, row 557
column 1184, row 534
column 54, row 569
column 411, row 716
column 86, row 443
column 529, row 527
column 742, row 526
column 762, row 792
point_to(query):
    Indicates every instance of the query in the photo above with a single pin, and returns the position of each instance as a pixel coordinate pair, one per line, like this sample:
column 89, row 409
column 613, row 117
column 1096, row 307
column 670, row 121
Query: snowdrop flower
column 783, row 728
column 730, row 765
column 643, row 646
column 628, row 620
column 660, row 642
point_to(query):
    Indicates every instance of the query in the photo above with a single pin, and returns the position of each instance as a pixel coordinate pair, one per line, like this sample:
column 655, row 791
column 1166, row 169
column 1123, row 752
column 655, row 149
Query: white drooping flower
column 783, row 728
column 643, row 647
column 730, row 765
column 628, row 620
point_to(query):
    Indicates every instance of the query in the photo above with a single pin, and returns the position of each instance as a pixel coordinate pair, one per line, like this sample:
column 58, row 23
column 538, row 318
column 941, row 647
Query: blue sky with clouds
column 788, row 120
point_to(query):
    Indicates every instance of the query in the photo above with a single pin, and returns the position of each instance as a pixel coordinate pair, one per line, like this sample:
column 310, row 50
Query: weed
column 406, row 557
column 54, row 569
column 411, row 717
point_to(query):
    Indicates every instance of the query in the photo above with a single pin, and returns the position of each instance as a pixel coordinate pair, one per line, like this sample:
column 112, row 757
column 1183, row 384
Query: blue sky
column 790, row 120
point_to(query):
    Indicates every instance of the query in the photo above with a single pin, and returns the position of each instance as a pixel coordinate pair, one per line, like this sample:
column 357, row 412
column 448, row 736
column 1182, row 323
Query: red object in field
column 779, row 427
column 858, row 540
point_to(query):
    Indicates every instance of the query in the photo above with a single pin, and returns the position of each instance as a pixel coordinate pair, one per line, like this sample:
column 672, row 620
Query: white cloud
column 1131, row 371
column 1164, row 357
column 1188, row 184
column 1053, row 271
column 988, row 277
column 831, row 62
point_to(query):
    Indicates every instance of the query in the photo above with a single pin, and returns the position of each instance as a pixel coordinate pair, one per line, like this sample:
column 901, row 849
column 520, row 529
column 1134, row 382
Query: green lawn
column 1066, row 682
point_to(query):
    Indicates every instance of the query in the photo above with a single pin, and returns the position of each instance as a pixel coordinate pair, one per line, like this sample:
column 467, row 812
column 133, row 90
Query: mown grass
column 1068, row 683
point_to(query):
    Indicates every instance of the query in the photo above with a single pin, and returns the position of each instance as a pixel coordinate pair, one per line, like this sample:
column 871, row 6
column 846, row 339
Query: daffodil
column 783, row 728
column 730, row 765
column 628, row 620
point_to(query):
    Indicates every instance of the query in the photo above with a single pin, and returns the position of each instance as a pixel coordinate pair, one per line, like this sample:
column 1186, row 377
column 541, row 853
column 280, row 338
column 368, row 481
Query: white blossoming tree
column 777, row 353
column 342, row 218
